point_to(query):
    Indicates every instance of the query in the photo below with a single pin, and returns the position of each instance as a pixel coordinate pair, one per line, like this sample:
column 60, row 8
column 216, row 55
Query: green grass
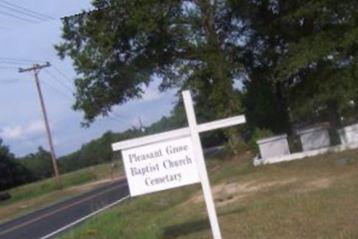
column 36, row 195
column 311, row 198
column 68, row 180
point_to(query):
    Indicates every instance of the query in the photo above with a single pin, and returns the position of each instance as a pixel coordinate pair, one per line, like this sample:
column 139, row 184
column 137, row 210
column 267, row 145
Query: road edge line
column 84, row 218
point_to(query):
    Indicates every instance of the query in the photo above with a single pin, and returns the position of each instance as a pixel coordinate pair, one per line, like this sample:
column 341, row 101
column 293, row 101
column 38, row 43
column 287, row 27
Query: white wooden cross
column 172, row 159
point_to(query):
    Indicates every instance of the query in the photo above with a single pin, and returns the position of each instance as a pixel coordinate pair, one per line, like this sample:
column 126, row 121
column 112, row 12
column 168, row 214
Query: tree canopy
column 124, row 45
column 296, row 59
column 305, row 51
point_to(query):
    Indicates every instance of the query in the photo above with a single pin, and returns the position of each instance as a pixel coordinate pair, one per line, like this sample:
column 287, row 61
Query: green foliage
column 48, row 188
column 306, row 51
column 177, row 119
column 98, row 151
column 295, row 57
column 123, row 45
column 264, row 107
column 12, row 173
column 297, row 61
column 95, row 152
column 258, row 134
column 39, row 164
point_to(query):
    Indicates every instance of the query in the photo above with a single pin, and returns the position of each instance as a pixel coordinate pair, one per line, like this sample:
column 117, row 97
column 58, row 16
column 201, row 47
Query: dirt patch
column 319, row 183
column 314, row 185
column 227, row 193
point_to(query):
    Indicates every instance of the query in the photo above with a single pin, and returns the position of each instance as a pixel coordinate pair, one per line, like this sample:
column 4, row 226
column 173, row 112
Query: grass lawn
column 40, row 194
column 310, row 198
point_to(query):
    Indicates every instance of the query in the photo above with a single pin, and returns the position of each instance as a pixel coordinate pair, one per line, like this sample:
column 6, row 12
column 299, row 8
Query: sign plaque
column 166, row 160
column 160, row 166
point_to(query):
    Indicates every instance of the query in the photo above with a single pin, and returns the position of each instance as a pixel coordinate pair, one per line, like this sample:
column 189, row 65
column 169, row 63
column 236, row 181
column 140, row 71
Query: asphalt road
column 48, row 220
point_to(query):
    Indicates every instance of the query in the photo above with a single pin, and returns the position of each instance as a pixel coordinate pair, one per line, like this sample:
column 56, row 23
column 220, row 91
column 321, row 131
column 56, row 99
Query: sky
column 23, row 43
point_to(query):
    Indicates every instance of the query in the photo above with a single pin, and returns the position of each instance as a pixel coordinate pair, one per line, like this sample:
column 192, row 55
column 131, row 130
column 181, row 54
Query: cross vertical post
column 151, row 152
column 199, row 156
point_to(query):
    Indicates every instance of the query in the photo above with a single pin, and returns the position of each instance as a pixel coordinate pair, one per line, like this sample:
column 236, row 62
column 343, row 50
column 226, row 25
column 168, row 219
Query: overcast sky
column 21, row 124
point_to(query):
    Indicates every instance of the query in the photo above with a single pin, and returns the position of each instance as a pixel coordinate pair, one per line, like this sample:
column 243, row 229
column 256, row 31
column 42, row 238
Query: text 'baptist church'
column 167, row 162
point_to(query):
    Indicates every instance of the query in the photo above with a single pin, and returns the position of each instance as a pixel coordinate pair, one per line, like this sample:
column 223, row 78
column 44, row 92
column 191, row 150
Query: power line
column 20, row 60
column 27, row 10
column 65, row 93
column 115, row 119
column 62, row 73
column 110, row 115
column 117, row 115
column 59, row 81
column 8, row 67
column 22, row 12
column 10, row 62
column 9, row 80
column 18, row 17
column 57, row 90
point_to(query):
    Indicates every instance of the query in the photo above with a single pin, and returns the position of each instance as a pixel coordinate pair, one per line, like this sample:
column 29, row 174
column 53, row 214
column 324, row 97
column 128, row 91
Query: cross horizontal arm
column 131, row 143
column 178, row 133
column 218, row 124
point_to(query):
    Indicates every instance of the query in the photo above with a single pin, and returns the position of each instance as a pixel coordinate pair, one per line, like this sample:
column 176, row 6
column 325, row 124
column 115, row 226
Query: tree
column 177, row 119
column 322, row 62
column 39, row 164
column 305, row 51
column 12, row 173
column 298, row 58
column 263, row 108
column 96, row 151
column 124, row 45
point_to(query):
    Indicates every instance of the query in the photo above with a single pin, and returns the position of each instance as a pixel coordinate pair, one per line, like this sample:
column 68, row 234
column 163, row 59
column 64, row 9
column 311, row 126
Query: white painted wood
column 170, row 164
column 193, row 132
column 224, row 123
column 179, row 133
column 131, row 143
column 198, row 151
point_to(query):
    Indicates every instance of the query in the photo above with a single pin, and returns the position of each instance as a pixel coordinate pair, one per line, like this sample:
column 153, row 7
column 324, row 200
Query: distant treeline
column 12, row 172
column 38, row 166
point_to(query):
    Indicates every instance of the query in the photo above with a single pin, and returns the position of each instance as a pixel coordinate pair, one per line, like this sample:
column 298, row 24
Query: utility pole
column 141, row 126
column 35, row 69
